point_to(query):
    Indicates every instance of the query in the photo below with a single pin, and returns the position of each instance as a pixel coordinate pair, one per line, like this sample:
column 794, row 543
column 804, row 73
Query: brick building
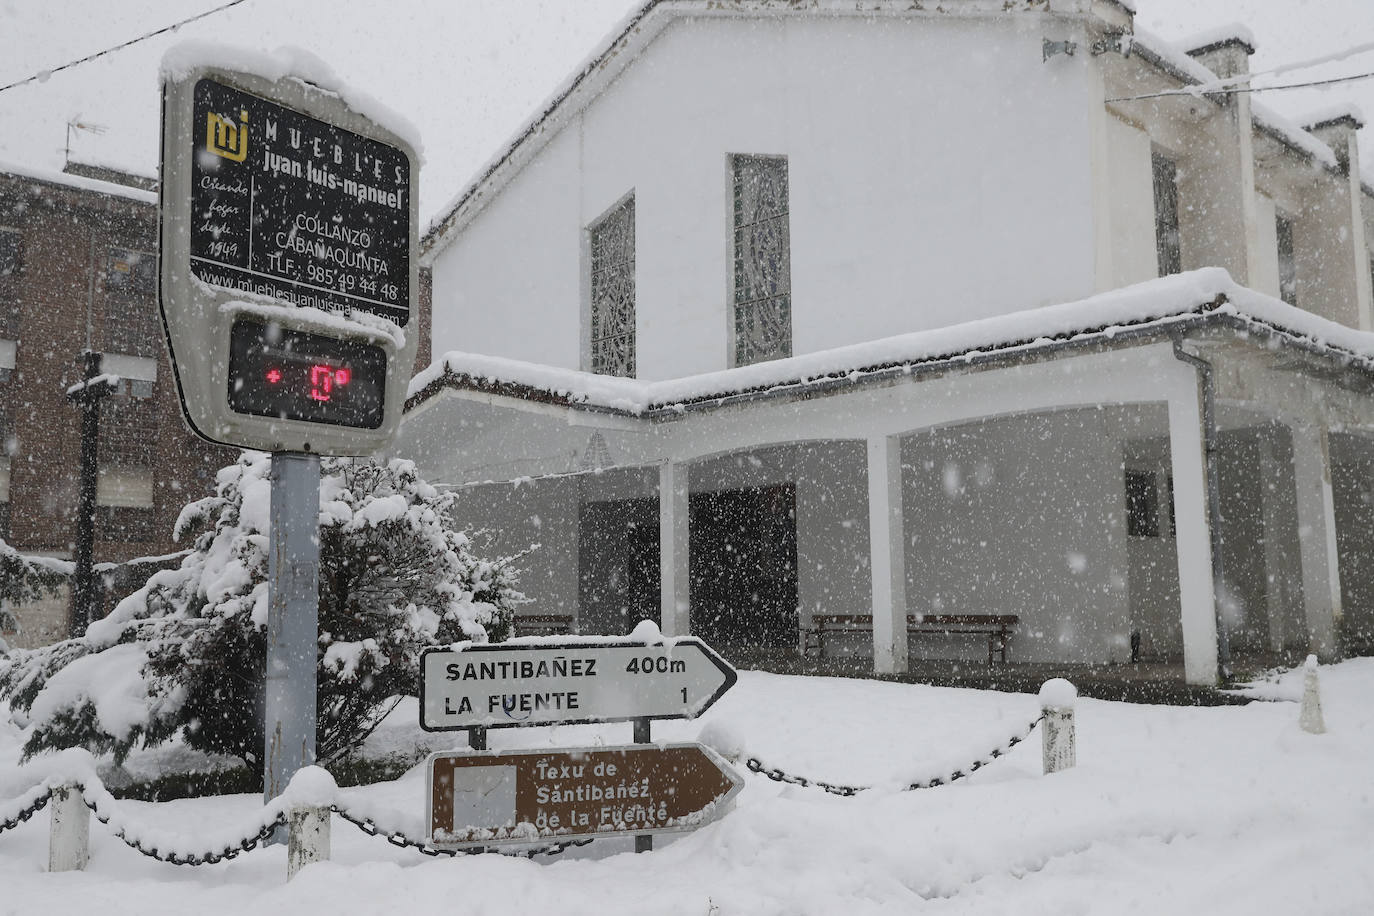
column 78, row 271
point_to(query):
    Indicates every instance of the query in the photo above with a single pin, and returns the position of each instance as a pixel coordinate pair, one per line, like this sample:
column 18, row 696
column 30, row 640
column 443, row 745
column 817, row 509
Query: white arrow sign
column 587, row 680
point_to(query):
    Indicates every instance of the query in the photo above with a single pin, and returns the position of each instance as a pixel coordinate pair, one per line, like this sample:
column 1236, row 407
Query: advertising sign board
column 288, row 278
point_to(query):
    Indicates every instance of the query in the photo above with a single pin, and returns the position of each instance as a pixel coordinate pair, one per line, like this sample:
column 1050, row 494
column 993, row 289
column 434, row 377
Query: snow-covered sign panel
column 577, row 680
column 490, row 798
column 288, row 279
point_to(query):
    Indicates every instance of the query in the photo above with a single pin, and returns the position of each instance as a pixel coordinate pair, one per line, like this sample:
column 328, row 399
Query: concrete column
column 69, row 838
column 1321, row 577
column 887, row 552
column 1279, row 552
column 1218, row 208
column 673, row 534
column 1348, row 220
column 1193, row 542
column 307, row 838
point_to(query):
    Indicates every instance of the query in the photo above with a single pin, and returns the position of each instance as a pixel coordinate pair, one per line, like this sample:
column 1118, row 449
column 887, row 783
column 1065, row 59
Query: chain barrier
column 252, row 841
column 397, row 838
column 38, row 804
column 777, row 774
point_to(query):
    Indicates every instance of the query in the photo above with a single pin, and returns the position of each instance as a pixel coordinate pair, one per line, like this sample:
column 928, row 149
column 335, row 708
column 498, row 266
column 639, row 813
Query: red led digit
column 321, row 382
column 273, row 375
column 341, row 377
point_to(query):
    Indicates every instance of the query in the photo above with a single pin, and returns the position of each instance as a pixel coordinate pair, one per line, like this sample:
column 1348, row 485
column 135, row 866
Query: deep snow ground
column 1170, row 810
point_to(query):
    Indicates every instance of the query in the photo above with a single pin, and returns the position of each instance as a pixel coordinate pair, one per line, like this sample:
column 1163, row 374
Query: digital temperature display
column 294, row 375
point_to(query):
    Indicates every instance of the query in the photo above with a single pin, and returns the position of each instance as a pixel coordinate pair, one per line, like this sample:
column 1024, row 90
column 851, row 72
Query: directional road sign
column 613, row 679
column 491, row 798
column 289, row 277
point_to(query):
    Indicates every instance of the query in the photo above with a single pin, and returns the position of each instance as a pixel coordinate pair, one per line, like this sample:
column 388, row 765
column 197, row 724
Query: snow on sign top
column 288, row 268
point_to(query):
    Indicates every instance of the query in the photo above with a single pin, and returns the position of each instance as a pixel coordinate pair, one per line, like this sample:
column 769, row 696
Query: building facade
column 863, row 310
column 78, row 272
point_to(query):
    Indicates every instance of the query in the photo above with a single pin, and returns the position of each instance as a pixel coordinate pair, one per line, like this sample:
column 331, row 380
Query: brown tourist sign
column 503, row 797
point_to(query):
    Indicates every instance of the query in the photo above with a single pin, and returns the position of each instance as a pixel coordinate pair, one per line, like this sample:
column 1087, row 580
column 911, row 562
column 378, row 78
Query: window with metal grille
column 613, row 291
column 1288, row 265
column 1167, row 246
column 762, row 259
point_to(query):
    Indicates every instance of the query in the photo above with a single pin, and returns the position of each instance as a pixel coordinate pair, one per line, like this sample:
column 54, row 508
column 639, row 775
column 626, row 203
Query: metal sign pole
column 643, row 842
column 292, row 619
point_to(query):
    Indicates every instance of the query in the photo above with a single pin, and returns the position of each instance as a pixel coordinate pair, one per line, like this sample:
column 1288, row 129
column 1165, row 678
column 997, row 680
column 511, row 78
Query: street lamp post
column 87, row 395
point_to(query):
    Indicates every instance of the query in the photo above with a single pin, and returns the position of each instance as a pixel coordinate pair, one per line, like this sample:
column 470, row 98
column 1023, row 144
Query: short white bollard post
column 1310, row 719
column 1057, row 698
column 69, row 839
column 307, row 838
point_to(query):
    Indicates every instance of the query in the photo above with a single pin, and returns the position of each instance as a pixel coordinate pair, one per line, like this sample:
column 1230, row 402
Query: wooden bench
column 542, row 624
column 996, row 627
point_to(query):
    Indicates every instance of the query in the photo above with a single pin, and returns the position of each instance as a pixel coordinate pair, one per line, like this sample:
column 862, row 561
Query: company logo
column 225, row 138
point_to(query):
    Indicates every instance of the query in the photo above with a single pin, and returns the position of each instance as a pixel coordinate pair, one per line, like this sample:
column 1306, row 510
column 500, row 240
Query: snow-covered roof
column 1218, row 37
column 1199, row 80
column 1333, row 114
column 1155, row 307
column 78, row 182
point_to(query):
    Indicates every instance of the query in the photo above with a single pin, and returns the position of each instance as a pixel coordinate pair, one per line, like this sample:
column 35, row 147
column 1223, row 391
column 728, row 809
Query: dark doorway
column 618, row 572
column 744, row 569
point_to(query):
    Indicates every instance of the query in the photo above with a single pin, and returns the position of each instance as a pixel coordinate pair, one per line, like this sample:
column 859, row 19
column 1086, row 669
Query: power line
column 43, row 75
column 1201, row 90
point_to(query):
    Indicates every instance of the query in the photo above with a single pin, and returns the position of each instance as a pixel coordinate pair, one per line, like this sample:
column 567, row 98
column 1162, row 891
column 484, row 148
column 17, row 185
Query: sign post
column 613, row 679
column 293, row 569
column 506, row 797
column 288, row 280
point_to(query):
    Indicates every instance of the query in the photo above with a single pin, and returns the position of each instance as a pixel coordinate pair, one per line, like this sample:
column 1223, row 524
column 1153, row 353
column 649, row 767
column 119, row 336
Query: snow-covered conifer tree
column 184, row 654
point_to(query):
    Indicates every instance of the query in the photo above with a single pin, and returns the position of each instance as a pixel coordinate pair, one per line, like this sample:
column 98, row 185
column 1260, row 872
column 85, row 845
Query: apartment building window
column 131, row 316
column 762, row 259
column 613, row 291
column 124, row 504
column 1167, row 246
column 11, row 263
column 1288, row 266
column 9, row 253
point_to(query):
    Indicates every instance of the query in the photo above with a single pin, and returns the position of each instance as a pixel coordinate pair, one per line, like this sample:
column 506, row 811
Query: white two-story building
column 893, row 312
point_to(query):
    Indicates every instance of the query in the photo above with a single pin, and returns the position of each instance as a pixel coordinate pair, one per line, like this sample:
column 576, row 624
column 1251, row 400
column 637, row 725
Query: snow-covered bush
column 184, row 655
column 24, row 579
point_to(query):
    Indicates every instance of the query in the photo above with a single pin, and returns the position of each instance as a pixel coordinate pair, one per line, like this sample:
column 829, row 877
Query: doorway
column 743, row 569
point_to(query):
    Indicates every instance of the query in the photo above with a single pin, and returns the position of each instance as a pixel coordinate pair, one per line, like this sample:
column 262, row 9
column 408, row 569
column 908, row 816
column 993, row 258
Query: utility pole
column 87, row 395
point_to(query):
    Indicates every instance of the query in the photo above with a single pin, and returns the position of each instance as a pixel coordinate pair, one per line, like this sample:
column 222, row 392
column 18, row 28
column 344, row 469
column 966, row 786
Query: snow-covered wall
column 1131, row 205
column 938, row 167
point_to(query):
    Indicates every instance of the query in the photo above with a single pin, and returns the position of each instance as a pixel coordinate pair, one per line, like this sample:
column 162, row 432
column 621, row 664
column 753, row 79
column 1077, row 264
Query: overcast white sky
column 468, row 73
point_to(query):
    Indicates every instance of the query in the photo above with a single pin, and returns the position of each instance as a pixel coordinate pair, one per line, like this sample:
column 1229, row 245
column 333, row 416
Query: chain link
column 24, row 814
column 777, row 774
column 209, row 857
column 397, row 838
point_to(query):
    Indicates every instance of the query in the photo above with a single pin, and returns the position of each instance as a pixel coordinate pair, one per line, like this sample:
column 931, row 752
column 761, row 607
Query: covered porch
column 1175, row 493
